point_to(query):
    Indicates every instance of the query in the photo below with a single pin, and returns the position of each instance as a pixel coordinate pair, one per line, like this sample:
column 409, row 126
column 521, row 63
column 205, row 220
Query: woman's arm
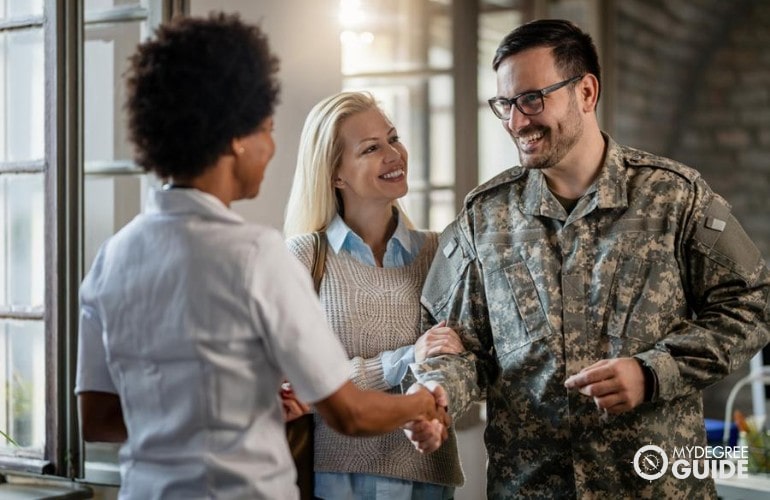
column 354, row 412
column 101, row 417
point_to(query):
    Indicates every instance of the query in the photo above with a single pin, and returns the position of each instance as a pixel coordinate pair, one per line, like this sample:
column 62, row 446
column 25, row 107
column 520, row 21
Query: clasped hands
column 428, row 435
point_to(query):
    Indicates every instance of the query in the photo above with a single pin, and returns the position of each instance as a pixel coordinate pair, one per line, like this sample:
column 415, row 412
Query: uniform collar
column 610, row 187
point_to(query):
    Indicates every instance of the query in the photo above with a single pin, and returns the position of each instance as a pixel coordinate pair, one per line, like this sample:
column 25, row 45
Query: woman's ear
column 237, row 147
column 338, row 182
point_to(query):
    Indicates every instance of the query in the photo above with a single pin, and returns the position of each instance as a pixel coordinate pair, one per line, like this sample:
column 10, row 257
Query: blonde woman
column 351, row 170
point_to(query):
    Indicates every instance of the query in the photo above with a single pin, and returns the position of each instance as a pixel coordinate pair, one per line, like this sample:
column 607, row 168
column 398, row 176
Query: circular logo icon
column 650, row 462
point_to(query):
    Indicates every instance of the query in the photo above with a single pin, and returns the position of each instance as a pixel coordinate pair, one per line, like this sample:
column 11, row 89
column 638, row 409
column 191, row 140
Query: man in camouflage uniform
column 597, row 288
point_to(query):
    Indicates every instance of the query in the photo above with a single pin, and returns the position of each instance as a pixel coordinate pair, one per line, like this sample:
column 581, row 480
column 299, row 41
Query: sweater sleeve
column 301, row 246
column 367, row 373
column 384, row 371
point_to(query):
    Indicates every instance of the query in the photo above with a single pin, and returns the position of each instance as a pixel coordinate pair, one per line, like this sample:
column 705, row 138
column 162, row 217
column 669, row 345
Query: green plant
column 22, row 402
column 9, row 439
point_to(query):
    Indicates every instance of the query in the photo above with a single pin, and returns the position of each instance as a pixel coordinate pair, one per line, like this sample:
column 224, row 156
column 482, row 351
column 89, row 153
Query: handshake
column 421, row 412
column 428, row 434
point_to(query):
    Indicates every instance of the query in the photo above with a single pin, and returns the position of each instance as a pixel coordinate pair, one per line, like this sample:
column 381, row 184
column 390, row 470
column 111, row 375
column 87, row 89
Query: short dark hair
column 574, row 51
column 200, row 83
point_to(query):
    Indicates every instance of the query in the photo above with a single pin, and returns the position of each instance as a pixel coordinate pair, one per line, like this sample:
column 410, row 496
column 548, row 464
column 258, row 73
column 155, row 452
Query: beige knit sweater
column 375, row 309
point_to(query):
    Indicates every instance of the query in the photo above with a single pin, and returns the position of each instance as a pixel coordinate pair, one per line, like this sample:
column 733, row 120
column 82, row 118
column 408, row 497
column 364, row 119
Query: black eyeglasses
column 529, row 103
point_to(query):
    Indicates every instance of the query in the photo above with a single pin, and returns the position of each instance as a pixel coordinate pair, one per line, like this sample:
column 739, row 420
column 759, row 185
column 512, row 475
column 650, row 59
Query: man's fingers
column 599, row 389
column 429, row 437
column 588, row 376
column 442, row 398
column 613, row 403
column 599, row 363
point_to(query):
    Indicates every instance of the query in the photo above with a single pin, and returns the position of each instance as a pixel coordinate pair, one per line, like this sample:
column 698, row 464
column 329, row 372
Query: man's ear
column 589, row 93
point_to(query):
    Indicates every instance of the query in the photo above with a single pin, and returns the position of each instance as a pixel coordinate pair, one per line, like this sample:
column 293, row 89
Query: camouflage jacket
column 650, row 263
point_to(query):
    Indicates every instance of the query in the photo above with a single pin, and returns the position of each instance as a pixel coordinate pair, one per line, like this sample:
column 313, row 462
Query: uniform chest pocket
column 644, row 297
column 517, row 322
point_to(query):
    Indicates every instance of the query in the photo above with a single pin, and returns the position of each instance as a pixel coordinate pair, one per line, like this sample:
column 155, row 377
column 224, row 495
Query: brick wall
column 693, row 84
column 726, row 133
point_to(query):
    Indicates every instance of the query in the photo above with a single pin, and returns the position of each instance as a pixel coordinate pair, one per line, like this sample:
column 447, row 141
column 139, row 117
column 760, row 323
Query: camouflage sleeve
column 454, row 291
column 728, row 287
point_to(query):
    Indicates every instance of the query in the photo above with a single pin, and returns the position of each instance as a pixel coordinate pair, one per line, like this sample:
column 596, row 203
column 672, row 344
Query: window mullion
column 63, row 227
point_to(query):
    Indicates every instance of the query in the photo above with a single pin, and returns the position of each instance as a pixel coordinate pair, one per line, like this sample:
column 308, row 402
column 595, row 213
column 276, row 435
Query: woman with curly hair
column 190, row 318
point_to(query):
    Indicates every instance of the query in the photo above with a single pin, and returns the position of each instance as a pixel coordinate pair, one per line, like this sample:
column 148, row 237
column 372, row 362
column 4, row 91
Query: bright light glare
column 351, row 13
column 348, row 37
column 352, row 39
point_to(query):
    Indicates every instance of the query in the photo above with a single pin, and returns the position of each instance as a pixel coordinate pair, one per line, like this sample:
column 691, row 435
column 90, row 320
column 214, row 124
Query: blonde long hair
column 313, row 201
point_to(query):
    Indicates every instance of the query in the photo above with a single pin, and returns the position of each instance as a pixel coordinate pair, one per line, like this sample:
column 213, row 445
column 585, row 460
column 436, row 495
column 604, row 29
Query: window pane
column 108, row 4
column 107, row 49
column 442, row 209
column 109, row 204
column 22, row 385
column 22, row 105
column 440, row 29
column 442, row 127
column 21, row 8
column 497, row 151
column 22, row 241
column 102, row 463
column 414, row 204
column 493, row 26
column 390, row 35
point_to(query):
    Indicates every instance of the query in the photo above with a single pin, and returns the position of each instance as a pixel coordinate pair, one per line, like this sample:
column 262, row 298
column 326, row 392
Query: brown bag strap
column 320, row 245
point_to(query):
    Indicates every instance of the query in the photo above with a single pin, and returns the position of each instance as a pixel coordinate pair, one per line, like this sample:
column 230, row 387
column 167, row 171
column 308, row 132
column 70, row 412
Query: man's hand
column 616, row 385
column 428, row 435
column 440, row 339
column 293, row 408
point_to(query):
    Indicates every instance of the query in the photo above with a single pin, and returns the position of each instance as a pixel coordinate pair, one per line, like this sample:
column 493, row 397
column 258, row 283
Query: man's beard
column 571, row 131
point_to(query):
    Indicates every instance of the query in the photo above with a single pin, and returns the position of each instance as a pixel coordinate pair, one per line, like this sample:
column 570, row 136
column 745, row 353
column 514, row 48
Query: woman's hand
column 293, row 408
column 438, row 340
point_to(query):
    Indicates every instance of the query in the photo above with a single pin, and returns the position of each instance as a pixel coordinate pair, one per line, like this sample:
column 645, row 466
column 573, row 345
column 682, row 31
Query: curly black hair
column 200, row 83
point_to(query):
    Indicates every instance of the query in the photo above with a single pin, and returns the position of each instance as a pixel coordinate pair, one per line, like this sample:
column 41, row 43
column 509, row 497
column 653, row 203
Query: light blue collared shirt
column 401, row 250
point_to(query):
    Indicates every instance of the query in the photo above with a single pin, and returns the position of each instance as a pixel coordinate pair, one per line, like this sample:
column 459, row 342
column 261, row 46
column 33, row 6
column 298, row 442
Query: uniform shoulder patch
column 637, row 158
column 510, row 175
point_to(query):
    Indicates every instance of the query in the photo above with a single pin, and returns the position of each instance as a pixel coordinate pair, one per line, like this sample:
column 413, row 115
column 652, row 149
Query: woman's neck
column 216, row 180
column 375, row 226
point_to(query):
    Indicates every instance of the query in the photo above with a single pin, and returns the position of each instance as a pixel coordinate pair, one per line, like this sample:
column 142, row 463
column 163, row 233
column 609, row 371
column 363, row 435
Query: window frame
column 63, row 24
column 54, row 26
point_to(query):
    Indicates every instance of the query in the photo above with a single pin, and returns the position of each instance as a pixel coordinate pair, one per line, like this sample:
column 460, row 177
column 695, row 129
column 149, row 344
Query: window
column 66, row 184
column 24, row 181
column 421, row 59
